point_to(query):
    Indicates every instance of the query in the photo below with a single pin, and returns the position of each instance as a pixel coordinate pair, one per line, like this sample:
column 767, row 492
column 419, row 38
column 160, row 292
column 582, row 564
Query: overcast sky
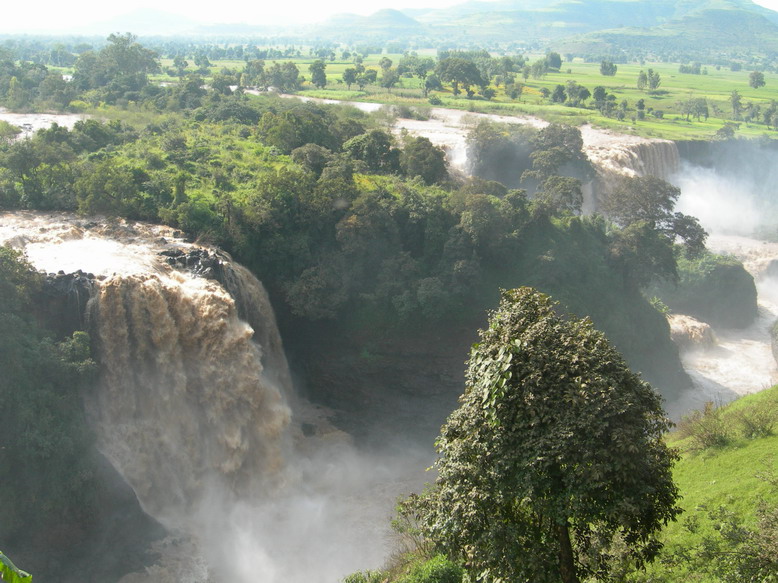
column 19, row 16
column 60, row 15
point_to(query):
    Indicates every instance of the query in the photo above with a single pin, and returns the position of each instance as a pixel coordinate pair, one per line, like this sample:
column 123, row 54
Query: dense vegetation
column 726, row 478
column 713, row 288
column 684, row 98
column 362, row 238
column 43, row 430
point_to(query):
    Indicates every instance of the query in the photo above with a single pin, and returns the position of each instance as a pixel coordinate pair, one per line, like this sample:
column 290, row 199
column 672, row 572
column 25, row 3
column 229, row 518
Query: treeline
column 346, row 223
column 118, row 73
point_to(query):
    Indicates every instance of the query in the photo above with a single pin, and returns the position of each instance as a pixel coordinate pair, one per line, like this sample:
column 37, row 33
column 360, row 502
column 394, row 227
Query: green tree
column 119, row 69
column 756, row 79
column 350, row 77
column 459, row 71
column 318, row 76
column 554, row 456
column 737, row 104
column 561, row 193
column 554, row 61
column 642, row 80
column 654, row 80
column 366, row 77
column 559, row 95
column 375, row 149
column 608, row 68
column 649, row 200
column 43, row 428
column 389, row 78
column 420, row 157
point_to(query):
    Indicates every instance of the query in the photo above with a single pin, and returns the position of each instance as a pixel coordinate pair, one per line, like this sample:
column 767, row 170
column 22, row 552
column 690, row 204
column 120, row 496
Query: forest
column 366, row 240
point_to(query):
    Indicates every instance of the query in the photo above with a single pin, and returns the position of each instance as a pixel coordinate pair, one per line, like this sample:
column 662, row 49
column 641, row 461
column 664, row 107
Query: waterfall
column 615, row 156
column 193, row 383
column 183, row 404
column 193, row 410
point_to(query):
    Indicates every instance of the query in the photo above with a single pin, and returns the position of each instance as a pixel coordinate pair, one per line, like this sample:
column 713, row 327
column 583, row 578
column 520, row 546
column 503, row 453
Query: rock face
column 724, row 298
column 687, row 332
column 65, row 300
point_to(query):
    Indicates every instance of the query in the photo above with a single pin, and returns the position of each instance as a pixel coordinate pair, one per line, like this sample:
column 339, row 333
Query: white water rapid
column 194, row 410
column 740, row 361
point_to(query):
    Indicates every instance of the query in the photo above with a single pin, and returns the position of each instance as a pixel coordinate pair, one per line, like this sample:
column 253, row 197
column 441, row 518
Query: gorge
column 196, row 407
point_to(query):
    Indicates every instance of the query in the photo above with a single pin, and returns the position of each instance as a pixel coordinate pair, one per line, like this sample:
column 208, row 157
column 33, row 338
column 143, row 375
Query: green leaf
column 10, row 573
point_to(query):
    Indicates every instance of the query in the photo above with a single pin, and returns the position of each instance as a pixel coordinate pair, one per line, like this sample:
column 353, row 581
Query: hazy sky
column 61, row 16
column 28, row 15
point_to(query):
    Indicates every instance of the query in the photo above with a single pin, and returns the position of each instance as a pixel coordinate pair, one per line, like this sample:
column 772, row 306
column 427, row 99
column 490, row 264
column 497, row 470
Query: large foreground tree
column 555, row 457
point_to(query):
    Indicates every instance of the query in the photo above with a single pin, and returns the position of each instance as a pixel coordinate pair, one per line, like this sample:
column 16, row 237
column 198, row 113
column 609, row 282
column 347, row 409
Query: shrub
column 758, row 421
column 706, row 428
column 364, row 577
column 437, row 570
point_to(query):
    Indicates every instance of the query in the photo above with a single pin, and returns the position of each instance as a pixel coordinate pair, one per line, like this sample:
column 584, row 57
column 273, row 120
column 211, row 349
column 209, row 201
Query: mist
column 730, row 190
column 332, row 517
column 729, row 187
column 725, row 204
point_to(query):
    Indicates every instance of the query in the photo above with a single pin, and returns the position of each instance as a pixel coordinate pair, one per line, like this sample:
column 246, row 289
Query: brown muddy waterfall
column 195, row 410
column 184, row 402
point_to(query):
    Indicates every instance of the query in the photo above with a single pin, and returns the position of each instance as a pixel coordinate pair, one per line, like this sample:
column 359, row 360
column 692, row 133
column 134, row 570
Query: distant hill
column 382, row 25
column 724, row 26
column 673, row 29
column 144, row 22
column 708, row 33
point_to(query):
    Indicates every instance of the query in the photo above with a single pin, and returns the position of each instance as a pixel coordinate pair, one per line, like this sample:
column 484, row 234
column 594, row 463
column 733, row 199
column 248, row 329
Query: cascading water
column 741, row 361
column 170, row 416
column 193, row 411
column 616, row 156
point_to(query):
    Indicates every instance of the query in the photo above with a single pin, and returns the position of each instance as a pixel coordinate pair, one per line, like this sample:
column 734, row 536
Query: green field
column 715, row 86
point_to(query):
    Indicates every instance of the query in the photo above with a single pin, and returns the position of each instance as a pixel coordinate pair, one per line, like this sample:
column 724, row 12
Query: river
column 32, row 122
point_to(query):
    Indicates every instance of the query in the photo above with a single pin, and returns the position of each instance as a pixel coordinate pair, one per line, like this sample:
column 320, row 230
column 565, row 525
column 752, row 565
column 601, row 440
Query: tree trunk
column 566, row 562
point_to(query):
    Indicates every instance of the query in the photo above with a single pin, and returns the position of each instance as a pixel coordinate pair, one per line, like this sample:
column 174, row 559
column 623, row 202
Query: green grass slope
column 728, row 468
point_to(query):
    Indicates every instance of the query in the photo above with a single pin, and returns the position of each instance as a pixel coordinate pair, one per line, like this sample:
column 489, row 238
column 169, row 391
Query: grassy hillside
column 728, row 468
column 709, row 34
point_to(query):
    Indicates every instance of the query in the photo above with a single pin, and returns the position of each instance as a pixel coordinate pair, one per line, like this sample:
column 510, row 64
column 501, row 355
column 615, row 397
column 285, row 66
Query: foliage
column 608, row 68
column 730, row 495
column 364, row 577
column 419, row 157
column 555, row 450
column 436, row 570
column 9, row 572
column 705, row 428
column 376, row 150
column 713, row 288
column 118, row 71
column 643, row 206
column 756, row 79
column 43, row 431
